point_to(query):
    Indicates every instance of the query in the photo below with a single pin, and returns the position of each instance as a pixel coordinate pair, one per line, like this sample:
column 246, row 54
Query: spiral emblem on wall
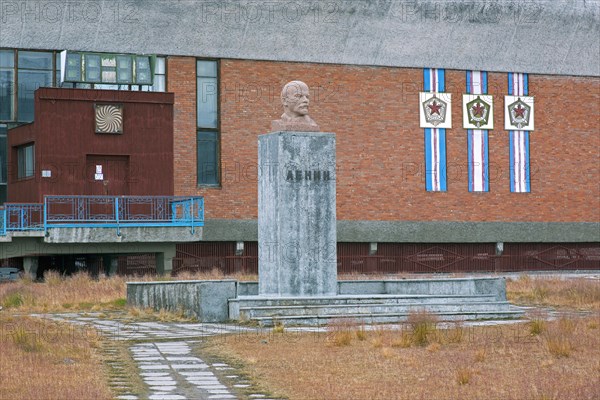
column 109, row 118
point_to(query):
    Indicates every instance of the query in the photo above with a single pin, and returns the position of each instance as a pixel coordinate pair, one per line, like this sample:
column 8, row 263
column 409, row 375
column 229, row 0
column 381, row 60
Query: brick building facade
column 373, row 111
column 365, row 76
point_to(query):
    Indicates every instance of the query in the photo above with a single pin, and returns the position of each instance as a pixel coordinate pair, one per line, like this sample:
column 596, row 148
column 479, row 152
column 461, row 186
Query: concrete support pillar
column 30, row 265
column 110, row 264
column 114, row 266
column 164, row 260
column 499, row 248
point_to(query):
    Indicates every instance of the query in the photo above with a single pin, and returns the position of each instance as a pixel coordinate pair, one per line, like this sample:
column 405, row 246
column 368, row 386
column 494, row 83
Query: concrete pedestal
column 296, row 214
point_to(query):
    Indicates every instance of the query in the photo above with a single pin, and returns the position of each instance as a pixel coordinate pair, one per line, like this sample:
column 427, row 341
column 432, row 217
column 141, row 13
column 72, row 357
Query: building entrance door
column 107, row 175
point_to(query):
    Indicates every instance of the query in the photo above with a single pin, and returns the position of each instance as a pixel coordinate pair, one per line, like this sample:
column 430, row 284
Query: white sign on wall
column 435, row 110
column 518, row 113
column 478, row 111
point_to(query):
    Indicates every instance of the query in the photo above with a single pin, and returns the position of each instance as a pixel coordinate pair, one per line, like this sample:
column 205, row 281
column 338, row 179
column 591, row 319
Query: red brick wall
column 373, row 111
column 182, row 81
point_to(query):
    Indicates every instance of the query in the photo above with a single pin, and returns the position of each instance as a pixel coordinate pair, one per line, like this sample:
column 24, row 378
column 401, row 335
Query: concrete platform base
column 380, row 301
column 367, row 308
column 377, row 301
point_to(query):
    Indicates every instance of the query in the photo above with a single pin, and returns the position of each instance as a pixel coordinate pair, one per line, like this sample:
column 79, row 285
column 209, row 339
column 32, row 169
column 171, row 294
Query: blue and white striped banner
column 519, row 140
column 477, row 139
column 435, row 138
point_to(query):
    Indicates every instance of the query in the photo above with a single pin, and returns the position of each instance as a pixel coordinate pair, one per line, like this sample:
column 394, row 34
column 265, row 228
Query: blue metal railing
column 103, row 212
column 24, row 217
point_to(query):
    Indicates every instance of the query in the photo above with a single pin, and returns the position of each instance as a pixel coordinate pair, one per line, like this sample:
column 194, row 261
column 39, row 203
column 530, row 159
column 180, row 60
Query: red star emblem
column 478, row 110
column 519, row 111
column 435, row 108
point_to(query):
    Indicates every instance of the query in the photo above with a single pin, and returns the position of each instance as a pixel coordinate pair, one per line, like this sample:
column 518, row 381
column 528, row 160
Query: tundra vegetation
column 539, row 359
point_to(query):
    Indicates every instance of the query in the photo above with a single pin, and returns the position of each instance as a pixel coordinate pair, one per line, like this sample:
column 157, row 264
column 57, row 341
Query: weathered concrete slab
column 125, row 235
column 449, row 286
column 549, row 37
column 205, row 300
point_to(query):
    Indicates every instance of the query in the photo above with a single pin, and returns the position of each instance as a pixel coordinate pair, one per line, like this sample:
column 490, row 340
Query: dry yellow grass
column 576, row 293
column 47, row 360
column 80, row 292
column 494, row 362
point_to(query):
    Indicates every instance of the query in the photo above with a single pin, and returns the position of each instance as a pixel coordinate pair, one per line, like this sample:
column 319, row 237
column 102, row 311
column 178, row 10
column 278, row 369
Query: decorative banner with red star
column 434, row 110
column 520, row 118
column 478, row 111
column 478, row 116
column 519, row 113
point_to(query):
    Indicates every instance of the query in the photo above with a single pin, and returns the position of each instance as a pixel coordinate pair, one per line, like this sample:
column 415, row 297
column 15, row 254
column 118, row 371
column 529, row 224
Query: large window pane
column 92, row 68
column 160, row 84
column 143, row 72
column 124, row 69
column 7, row 84
column 73, row 67
column 35, row 60
column 3, row 158
column 29, row 82
column 206, row 68
column 207, row 97
column 7, row 59
column 207, row 102
column 208, row 158
column 160, row 67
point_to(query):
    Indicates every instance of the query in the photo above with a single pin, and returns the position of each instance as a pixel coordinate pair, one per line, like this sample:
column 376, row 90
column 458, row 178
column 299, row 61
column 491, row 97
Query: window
column 25, row 161
column 124, row 73
column 35, row 70
column 7, row 84
column 160, row 77
column 208, row 123
column 3, row 164
column 24, row 71
column 103, row 68
column 21, row 73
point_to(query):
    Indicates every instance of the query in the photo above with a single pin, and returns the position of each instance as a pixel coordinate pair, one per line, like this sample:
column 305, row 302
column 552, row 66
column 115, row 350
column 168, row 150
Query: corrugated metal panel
column 206, row 256
column 203, row 257
column 415, row 257
column 550, row 256
column 405, row 257
column 137, row 264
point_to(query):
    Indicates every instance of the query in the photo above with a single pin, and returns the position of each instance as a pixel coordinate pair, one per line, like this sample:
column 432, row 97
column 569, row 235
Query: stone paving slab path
column 164, row 357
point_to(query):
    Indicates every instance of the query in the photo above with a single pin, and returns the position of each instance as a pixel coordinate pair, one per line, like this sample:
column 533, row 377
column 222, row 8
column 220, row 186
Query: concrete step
column 324, row 320
column 258, row 301
column 362, row 309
